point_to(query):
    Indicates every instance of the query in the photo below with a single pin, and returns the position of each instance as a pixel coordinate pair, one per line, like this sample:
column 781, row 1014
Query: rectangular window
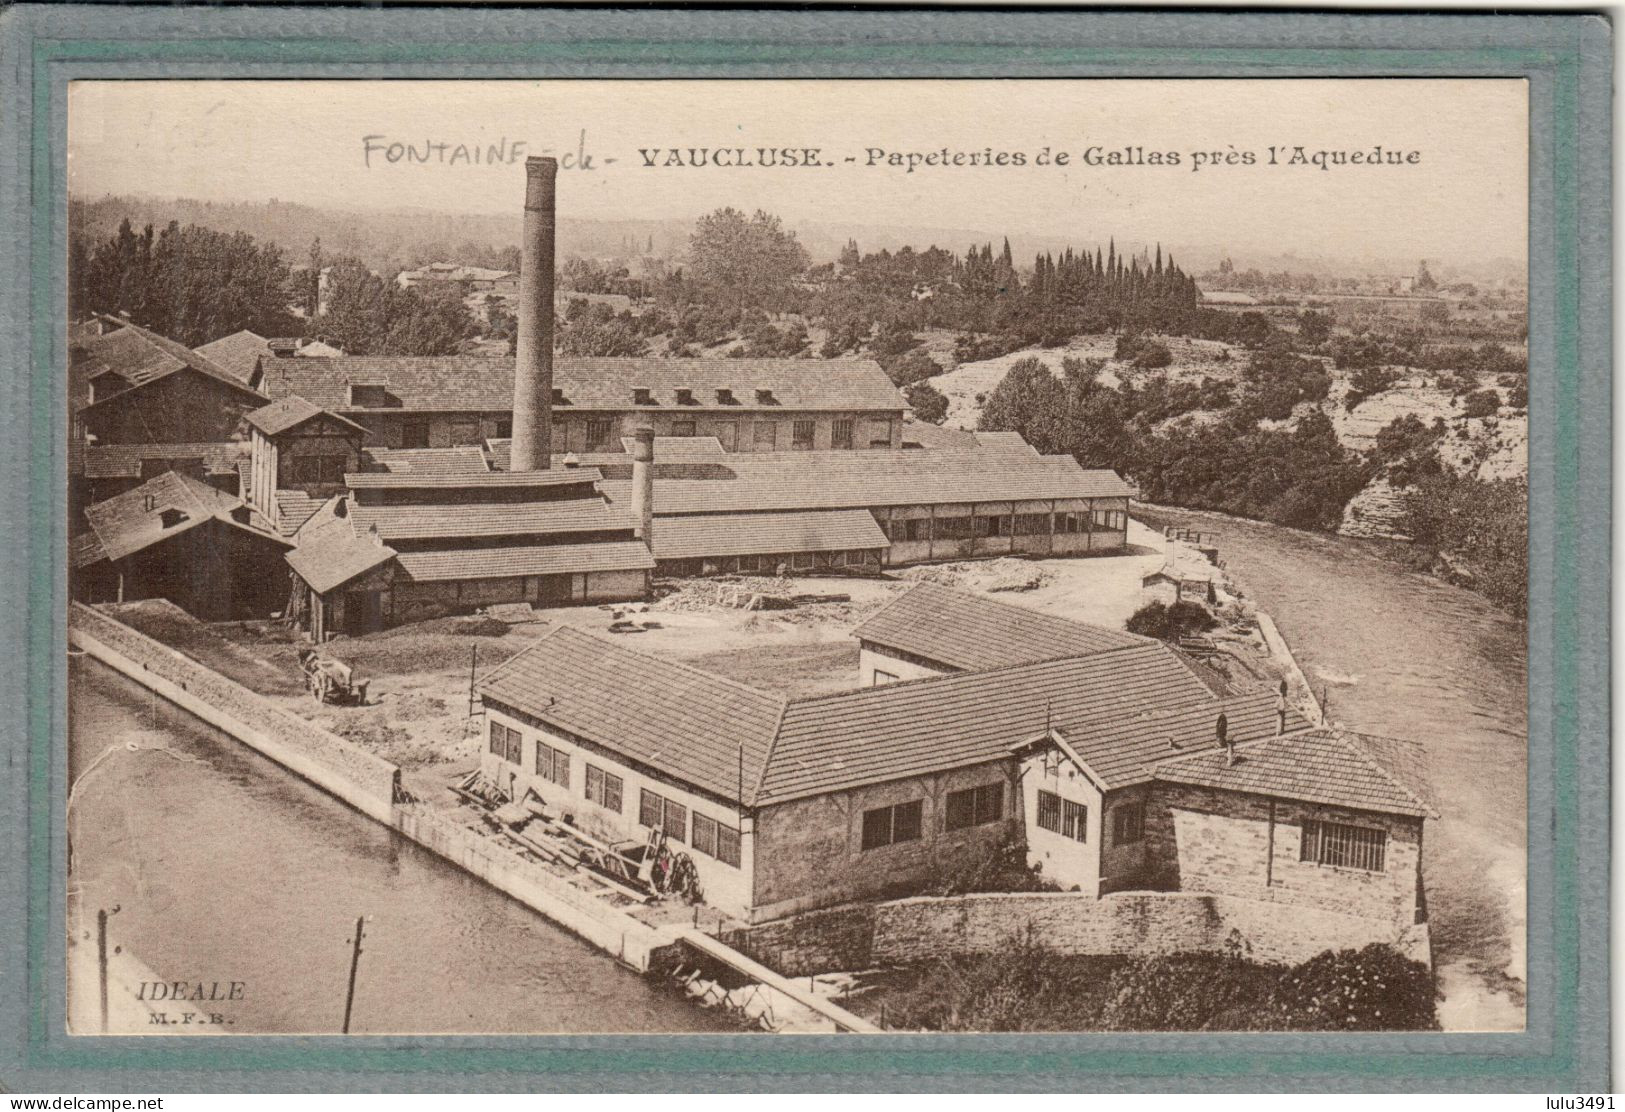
column 504, row 428
column 917, row 529
column 1030, row 525
column 840, row 434
column 885, row 826
column 331, row 469
column 705, row 835
column 801, row 561
column 1344, row 845
column 995, row 525
column 801, row 434
column 650, row 807
column 552, row 764
column 599, row 430
column 682, row 428
column 953, row 528
column 1128, row 824
column 499, row 740
column 1049, row 811
column 676, row 822
column 765, row 436
column 883, row 678
column 659, row 813
column 1074, row 821
column 975, row 806
column 728, row 845
column 513, row 745
column 604, row 788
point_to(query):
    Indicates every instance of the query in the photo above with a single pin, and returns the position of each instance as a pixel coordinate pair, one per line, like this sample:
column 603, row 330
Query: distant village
column 253, row 478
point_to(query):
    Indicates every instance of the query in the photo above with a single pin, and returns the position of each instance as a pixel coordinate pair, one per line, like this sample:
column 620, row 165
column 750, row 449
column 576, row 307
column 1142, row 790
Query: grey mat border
column 1568, row 61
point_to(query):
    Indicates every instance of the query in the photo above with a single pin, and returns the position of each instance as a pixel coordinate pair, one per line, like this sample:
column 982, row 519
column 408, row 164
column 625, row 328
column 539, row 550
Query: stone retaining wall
column 1137, row 924
column 362, row 779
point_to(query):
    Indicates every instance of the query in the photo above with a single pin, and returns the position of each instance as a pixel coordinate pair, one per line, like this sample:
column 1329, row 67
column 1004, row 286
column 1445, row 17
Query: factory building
column 1116, row 767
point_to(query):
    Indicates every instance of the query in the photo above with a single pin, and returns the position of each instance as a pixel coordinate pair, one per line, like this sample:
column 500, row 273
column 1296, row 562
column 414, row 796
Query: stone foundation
column 1130, row 924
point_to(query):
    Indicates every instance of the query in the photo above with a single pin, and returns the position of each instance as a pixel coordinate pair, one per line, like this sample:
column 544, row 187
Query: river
column 1404, row 655
column 226, row 867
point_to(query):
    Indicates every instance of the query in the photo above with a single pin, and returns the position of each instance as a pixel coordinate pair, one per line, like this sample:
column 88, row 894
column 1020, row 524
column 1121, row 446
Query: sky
column 1462, row 197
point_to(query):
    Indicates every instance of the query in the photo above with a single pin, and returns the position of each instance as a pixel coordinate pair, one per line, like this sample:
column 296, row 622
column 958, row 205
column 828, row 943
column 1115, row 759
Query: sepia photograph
column 585, row 556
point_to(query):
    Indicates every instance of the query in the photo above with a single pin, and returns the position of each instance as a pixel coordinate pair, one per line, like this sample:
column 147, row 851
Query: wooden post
column 473, row 664
column 1269, row 859
column 101, row 960
column 355, row 960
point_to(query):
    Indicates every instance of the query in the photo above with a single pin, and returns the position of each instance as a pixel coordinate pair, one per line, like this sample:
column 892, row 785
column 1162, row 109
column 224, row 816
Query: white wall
column 1070, row 863
column 871, row 660
column 726, row 887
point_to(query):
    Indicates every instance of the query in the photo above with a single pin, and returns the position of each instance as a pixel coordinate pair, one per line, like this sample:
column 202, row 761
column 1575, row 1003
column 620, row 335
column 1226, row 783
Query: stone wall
column 1138, row 924
column 365, row 781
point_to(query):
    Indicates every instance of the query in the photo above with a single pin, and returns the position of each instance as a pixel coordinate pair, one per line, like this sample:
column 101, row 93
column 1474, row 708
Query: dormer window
column 558, row 396
column 642, row 395
column 765, row 397
column 685, row 396
column 725, row 396
column 171, row 518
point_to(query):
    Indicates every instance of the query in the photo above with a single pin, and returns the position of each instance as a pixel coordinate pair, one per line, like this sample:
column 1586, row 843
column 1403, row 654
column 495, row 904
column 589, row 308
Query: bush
column 1481, row 403
column 1170, row 623
column 1368, row 382
column 1152, row 356
column 915, row 366
column 928, row 403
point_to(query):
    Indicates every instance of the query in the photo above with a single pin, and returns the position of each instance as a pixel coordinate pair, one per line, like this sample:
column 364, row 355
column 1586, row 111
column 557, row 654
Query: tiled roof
column 293, row 509
column 766, row 533
column 702, row 729
column 675, row 448
column 476, row 383
column 1319, row 766
column 429, row 461
column 470, row 480
column 537, row 559
column 128, row 523
column 846, row 479
column 492, row 519
column 123, row 461
column 969, row 631
column 929, row 436
column 84, row 549
column 142, row 356
column 1115, row 708
column 239, row 353
column 291, row 412
column 335, row 556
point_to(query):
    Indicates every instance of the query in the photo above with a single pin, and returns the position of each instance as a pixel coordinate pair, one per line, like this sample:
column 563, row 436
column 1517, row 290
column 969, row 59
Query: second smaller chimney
column 643, row 484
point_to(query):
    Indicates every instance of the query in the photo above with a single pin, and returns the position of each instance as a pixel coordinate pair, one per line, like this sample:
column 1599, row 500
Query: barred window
column 1030, row 525
column 916, row 529
column 801, row 434
column 676, row 822
column 1128, row 824
column 604, row 788
column 975, row 806
column 507, row 743
column 499, row 739
column 599, row 430
column 885, row 826
column 1344, row 845
column 840, row 435
column 1049, row 811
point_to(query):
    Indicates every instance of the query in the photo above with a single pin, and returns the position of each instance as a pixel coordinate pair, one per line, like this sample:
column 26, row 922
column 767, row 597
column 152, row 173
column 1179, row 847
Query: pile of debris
column 730, row 592
column 1006, row 573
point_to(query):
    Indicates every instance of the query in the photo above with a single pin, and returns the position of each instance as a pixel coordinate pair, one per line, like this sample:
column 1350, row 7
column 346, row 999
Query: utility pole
column 473, row 665
column 355, row 960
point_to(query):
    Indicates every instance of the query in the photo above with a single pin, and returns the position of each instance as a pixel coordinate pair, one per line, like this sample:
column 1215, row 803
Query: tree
column 928, row 403
column 313, row 281
column 1313, row 327
column 1032, row 401
column 1170, row 623
column 745, row 261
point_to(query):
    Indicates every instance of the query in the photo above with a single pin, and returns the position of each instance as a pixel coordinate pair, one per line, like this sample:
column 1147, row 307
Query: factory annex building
column 1115, row 763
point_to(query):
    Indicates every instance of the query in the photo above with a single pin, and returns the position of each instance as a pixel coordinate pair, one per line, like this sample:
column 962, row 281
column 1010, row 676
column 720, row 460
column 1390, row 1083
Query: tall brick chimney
column 533, row 366
column 643, row 483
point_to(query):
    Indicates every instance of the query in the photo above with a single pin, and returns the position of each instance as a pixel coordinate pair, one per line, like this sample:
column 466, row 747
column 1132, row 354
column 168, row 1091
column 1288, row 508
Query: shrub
column 927, row 402
column 1170, row 623
column 1367, row 382
column 1152, row 356
column 1481, row 403
column 915, row 366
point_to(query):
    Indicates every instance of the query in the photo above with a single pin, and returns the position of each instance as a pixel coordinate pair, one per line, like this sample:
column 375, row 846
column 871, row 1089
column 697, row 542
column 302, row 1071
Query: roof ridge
column 829, row 696
column 767, row 758
column 1339, row 736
